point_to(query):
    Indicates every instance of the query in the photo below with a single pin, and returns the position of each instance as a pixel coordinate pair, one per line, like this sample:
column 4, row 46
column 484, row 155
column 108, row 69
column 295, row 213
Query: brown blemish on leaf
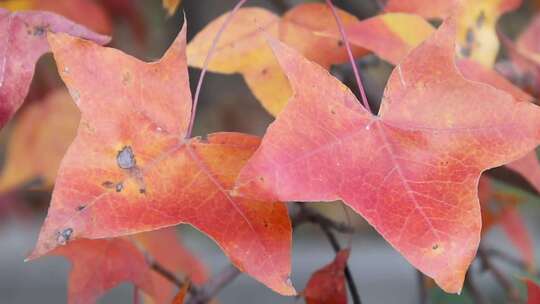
column 119, row 187
column 126, row 159
column 80, row 207
column 126, row 78
column 480, row 19
column 40, row 30
column 108, row 184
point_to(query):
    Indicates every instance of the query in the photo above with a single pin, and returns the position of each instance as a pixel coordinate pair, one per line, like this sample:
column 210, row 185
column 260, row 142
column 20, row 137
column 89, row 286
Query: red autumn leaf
column 327, row 285
column 529, row 168
column 100, row 265
column 533, row 292
column 413, row 170
column 130, row 169
column 165, row 247
column 24, row 36
column 517, row 232
column 500, row 208
column 524, row 54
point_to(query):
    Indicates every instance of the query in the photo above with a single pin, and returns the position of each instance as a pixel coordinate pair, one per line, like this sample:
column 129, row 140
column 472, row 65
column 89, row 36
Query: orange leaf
column 181, row 295
column 171, row 6
column 24, row 33
column 299, row 28
column 243, row 49
column 130, row 169
column 476, row 35
column 413, row 170
column 391, row 36
column 39, row 140
column 100, row 265
column 327, row 285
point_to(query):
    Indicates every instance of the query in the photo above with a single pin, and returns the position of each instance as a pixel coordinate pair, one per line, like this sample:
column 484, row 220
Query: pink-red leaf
column 327, row 285
column 24, row 41
column 99, row 265
column 413, row 170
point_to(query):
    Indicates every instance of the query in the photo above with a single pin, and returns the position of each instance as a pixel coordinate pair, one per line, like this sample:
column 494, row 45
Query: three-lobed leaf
column 131, row 168
column 411, row 171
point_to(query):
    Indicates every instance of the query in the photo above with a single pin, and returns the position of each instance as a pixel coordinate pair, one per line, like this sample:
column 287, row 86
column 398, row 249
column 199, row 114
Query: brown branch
column 164, row 272
column 209, row 290
column 487, row 264
column 475, row 293
column 422, row 290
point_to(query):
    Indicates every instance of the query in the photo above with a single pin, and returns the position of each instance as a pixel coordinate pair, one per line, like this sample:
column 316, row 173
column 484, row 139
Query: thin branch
column 422, row 290
column 513, row 293
column 312, row 216
column 475, row 293
column 348, row 275
column 171, row 277
column 503, row 256
column 209, row 290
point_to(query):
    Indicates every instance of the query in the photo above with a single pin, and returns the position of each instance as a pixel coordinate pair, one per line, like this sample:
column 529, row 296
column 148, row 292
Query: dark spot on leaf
column 480, row 19
column 435, row 246
column 340, row 43
column 333, row 112
column 469, row 37
column 142, row 191
column 466, row 51
column 62, row 237
column 108, row 184
column 443, row 163
column 119, row 187
column 81, row 207
column 126, row 78
column 125, row 158
column 264, row 71
column 39, row 30
column 261, row 179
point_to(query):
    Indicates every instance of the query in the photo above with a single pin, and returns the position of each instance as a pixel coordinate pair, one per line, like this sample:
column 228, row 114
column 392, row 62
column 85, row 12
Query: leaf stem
column 351, row 57
column 207, row 61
